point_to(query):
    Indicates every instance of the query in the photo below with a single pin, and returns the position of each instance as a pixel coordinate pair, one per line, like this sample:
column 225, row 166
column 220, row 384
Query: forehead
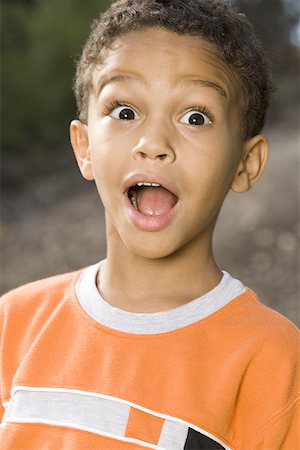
column 158, row 57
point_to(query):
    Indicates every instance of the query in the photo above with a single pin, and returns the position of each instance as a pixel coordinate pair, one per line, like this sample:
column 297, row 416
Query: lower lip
column 150, row 223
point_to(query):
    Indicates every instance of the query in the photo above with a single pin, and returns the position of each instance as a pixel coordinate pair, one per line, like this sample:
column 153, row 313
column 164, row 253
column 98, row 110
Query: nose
column 154, row 144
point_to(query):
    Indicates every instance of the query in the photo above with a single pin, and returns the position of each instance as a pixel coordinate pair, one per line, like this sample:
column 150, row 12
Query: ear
column 80, row 143
column 252, row 163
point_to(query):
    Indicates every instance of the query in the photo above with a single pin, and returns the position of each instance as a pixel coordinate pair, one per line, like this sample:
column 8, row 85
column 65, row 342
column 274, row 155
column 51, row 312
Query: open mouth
column 151, row 199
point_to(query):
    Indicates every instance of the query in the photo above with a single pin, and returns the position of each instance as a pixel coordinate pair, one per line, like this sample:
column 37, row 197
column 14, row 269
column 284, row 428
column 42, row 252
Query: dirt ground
column 54, row 223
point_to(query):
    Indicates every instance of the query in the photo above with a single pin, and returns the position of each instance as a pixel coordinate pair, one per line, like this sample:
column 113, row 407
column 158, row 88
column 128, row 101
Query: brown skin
column 156, row 271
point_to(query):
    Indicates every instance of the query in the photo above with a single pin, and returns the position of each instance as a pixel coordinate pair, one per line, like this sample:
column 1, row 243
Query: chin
column 151, row 248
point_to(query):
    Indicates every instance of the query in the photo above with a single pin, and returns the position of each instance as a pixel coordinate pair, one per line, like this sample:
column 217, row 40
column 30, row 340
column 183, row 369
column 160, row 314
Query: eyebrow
column 115, row 79
column 126, row 77
column 208, row 84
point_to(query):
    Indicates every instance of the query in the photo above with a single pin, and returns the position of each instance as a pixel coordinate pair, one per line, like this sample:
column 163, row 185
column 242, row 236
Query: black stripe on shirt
column 198, row 441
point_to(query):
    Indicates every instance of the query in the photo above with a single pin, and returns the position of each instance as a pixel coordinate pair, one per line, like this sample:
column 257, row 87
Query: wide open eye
column 195, row 117
column 124, row 112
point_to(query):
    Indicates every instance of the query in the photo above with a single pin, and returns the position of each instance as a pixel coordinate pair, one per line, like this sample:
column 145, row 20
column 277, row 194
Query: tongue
column 155, row 201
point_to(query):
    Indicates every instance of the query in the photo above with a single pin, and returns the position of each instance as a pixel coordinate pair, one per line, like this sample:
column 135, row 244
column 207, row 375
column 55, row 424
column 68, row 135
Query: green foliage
column 40, row 40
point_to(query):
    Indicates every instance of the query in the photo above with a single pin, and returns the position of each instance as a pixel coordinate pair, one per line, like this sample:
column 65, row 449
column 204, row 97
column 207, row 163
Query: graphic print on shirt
column 196, row 440
column 106, row 416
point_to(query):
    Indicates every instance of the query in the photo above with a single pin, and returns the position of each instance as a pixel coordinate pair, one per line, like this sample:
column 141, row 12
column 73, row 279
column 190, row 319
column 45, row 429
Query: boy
column 156, row 347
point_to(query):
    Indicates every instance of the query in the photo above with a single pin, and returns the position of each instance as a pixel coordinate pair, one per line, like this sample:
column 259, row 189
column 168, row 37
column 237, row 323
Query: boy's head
column 171, row 96
column 211, row 20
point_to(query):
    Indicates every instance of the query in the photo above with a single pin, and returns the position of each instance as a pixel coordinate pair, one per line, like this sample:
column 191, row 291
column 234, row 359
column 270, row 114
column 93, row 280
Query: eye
column 123, row 112
column 195, row 117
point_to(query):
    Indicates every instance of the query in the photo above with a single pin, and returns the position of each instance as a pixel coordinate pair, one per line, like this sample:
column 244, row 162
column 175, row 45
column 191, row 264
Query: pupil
column 126, row 114
column 196, row 119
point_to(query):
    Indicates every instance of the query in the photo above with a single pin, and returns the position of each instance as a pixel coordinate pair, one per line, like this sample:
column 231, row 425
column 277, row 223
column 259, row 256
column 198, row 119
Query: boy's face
column 163, row 109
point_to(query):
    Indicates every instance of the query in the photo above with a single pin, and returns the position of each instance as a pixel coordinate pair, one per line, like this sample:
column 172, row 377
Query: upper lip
column 132, row 180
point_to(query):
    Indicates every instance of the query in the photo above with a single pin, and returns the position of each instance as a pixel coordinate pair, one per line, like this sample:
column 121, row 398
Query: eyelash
column 108, row 109
column 116, row 103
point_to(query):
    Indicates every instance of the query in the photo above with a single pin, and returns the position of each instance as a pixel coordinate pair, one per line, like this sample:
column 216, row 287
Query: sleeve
column 282, row 432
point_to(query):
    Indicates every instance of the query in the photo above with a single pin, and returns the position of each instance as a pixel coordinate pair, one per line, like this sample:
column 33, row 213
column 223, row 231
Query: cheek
column 109, row 144
column 212, row 169
column 108, row 167
column 207, row 160
column 103, row 147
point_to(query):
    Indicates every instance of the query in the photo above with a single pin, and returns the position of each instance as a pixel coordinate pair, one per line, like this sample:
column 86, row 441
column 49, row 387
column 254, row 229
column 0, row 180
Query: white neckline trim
column 152, row 323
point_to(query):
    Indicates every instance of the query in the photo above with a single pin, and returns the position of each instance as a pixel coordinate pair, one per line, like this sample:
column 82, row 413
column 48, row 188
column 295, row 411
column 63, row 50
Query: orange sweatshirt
column 76, row 373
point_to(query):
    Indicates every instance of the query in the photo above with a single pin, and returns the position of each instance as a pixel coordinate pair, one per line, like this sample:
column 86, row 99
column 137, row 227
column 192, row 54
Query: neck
column 137, row 284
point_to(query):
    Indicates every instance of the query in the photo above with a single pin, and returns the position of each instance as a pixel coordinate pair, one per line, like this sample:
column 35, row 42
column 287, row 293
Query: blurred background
column 52, row 220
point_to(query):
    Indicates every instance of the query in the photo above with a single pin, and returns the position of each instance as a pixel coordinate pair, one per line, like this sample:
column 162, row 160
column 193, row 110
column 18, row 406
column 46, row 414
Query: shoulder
column 25, row 311
column 268, row 341
column 272, row 342
column 269, row 388
column 280, row 340
column 37, row 295
column 264, row 324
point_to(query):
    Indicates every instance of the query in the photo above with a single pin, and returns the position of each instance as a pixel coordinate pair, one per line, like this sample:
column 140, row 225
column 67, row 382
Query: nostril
column 151, row 154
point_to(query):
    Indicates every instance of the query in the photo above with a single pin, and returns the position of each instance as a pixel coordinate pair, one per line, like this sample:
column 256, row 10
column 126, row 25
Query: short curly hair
column 212, row 20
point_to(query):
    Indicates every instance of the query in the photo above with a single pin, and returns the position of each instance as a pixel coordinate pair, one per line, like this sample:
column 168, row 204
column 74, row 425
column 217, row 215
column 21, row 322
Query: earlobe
column 80, row 143
column 252, row 163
